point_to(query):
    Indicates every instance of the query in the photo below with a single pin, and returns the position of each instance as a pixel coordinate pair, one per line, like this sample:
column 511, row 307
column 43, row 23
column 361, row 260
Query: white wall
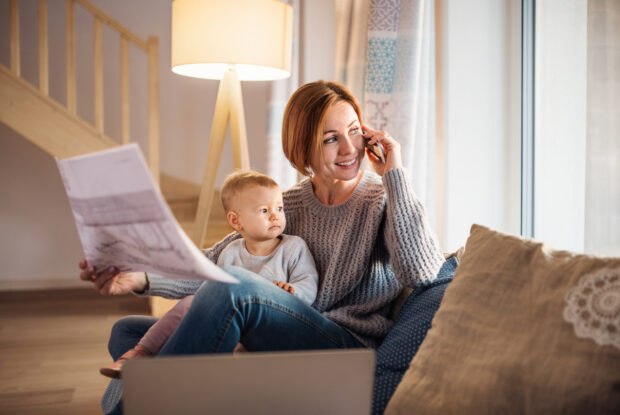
column 481, row 67
column 39, row 247
column 38, row 242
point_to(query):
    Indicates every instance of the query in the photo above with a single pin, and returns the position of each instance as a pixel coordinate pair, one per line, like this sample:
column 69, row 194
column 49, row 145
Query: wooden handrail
column 113, row 24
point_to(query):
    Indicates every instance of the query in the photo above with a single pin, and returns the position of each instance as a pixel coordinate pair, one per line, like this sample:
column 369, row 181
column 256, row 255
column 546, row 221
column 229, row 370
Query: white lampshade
column 252, row 36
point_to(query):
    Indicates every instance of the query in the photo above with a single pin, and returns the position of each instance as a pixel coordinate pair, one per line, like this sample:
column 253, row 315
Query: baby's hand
column 285, row 286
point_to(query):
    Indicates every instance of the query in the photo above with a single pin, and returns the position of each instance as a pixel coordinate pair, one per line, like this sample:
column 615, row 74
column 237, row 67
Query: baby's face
column 260, row 213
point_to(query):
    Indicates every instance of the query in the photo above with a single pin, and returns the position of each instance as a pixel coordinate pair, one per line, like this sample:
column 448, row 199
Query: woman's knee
column 248, row 282
column 250, row 285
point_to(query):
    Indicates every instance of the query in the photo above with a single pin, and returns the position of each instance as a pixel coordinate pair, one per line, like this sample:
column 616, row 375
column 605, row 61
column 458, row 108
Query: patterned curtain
column 400, row 85
column 276, row 165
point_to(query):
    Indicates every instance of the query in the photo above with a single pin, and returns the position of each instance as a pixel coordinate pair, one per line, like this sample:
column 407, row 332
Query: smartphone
column 376, row 149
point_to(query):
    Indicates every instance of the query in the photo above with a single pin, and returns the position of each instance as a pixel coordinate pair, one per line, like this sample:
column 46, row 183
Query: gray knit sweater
column 366, row 249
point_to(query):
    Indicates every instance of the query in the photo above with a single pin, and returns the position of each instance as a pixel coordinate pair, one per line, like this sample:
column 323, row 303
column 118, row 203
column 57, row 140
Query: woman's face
column 343, row 145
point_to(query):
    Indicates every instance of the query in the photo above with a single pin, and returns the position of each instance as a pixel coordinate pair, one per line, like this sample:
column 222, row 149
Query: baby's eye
column 263, row 210
column 280, row 209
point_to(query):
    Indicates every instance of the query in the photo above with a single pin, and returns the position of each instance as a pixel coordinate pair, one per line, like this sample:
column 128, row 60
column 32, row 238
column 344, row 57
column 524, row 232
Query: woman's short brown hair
column 304, row 119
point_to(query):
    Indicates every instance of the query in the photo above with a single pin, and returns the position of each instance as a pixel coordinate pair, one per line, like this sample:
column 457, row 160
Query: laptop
column 309, row 382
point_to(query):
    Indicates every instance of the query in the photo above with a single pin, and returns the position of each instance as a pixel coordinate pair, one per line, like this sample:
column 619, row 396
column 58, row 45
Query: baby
column 253, row 205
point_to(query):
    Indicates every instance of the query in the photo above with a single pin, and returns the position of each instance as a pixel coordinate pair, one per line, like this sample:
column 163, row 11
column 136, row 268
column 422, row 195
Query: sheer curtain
column 276, row 165
column 400, row 85
column 351, row 45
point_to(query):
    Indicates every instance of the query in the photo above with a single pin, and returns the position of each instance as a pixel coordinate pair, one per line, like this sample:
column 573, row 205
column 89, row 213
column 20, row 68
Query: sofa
column 509, row 326
column 513, row 327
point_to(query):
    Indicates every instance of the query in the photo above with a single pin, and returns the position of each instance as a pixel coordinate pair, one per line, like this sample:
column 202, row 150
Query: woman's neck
column 334, row 192
column 262, row 248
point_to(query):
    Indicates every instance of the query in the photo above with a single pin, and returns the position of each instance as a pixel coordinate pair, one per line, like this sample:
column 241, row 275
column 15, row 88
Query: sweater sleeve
column 170, row 288
column 174, row 289
column 303, row 275
column 415, row 255
column 214, row 252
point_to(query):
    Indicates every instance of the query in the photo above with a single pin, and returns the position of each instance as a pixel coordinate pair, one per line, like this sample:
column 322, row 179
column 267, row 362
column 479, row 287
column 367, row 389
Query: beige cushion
column 500, row 342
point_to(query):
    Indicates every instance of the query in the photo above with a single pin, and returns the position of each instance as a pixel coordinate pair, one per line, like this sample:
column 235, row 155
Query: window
column 576, row 133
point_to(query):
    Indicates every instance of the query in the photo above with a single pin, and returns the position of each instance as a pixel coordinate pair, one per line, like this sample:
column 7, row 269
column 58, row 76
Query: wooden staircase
column 44, row 121
column 58, row 130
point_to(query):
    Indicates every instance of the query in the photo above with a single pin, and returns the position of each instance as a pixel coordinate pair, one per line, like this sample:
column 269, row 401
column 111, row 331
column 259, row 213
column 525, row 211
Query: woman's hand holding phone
column 376, row 149
column 378, row 143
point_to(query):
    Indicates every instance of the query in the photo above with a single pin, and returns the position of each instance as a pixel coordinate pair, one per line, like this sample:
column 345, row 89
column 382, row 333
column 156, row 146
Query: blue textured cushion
column 403, row 341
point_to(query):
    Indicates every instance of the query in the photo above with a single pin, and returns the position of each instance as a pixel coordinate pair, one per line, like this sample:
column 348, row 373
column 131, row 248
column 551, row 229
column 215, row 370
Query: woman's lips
column 347, row 164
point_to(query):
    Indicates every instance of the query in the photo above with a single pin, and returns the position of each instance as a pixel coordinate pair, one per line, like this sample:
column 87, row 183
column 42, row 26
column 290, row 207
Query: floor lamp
column 233, row 41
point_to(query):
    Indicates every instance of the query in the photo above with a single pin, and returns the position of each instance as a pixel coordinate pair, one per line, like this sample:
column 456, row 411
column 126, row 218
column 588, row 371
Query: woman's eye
column 355, row 131
column 331, row 139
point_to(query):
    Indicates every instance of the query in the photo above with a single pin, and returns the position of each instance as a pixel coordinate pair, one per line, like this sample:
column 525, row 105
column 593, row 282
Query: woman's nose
column 347, row 146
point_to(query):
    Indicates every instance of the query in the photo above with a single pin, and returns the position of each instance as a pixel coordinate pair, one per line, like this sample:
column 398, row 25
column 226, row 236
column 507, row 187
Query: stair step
column 182, row 197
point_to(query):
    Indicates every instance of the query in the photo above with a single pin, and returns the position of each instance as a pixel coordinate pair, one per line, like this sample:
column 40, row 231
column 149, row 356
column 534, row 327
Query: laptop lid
column 309, row 382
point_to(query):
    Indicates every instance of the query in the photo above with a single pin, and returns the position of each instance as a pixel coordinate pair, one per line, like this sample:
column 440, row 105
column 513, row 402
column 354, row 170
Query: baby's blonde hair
column 238, row 181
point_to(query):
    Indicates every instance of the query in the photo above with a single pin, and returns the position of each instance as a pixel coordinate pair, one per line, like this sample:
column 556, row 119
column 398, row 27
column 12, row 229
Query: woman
column 368, row 234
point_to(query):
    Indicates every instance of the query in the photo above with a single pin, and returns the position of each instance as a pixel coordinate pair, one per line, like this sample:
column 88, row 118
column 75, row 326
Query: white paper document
column 123, row 220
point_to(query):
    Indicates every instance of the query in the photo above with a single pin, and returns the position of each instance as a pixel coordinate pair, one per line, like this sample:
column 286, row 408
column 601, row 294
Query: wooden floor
column 52, row 345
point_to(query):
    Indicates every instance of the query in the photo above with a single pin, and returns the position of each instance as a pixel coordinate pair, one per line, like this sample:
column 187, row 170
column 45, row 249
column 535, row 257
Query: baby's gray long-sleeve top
column 365, row 249
column 290, row 262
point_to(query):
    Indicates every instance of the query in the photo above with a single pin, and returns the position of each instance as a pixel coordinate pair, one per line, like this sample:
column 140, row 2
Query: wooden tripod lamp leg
column 238, row 132
column 229, row 107
column 214, row 154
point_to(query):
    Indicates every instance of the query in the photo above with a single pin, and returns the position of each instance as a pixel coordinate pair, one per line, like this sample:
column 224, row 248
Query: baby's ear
column 233, row 220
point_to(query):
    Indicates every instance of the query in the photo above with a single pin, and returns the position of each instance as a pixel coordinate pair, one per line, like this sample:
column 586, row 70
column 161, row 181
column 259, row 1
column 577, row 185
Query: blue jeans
column 261, row 315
